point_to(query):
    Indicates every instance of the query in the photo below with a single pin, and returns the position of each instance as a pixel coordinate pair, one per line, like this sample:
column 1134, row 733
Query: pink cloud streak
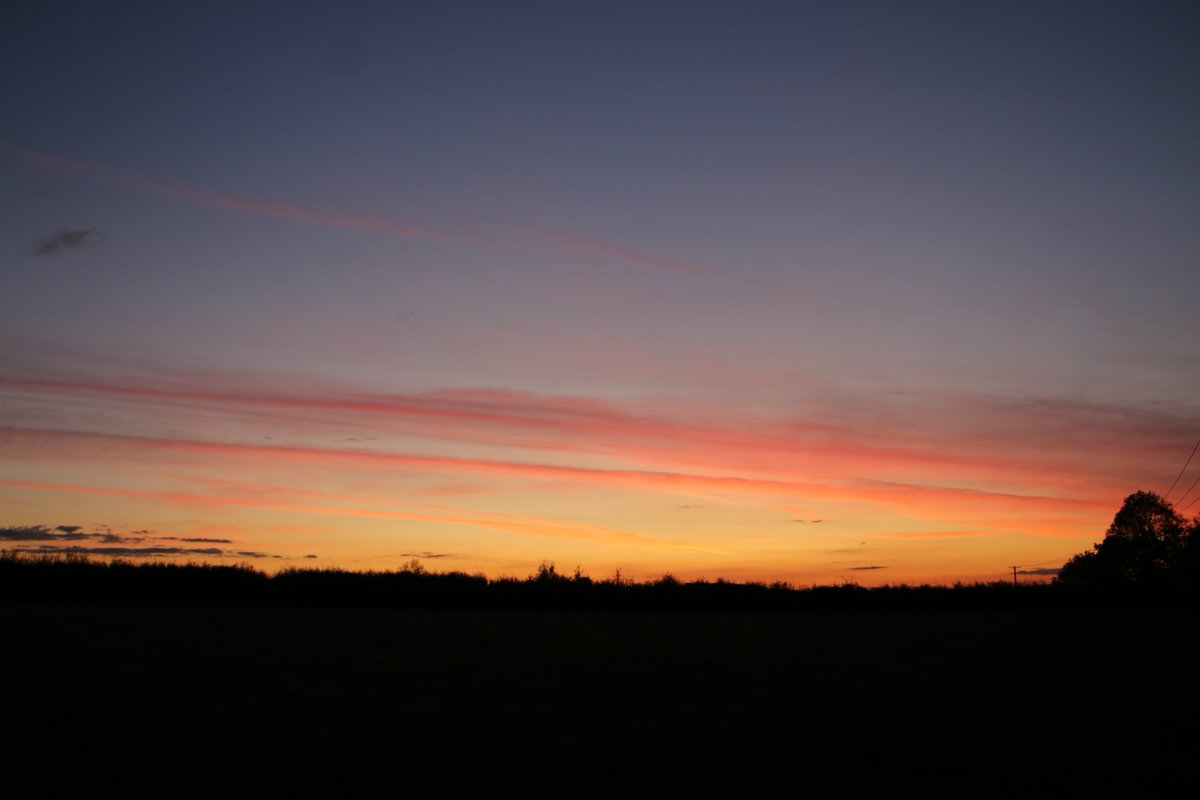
column 245, row 205
column 385, row 226
column 1012, row 452
column 691, row 484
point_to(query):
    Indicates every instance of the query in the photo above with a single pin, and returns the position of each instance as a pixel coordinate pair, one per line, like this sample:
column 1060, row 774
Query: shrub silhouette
column 1149, row 544
column 547, row 573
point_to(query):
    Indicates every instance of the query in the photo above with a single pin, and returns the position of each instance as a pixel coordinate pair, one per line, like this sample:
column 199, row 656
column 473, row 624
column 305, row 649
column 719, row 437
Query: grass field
column 247, row 700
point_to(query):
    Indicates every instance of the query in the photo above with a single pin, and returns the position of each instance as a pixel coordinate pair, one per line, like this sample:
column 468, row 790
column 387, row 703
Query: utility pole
column 1014, row 568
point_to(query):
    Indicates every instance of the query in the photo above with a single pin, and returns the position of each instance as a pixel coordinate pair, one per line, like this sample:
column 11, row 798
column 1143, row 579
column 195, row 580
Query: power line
column 1189, row 491
column 1185, row 466
column 1016, row 567
column 1051, row 561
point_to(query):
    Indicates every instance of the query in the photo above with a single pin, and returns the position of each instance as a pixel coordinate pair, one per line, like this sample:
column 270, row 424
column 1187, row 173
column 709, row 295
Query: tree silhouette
column 1148, row 544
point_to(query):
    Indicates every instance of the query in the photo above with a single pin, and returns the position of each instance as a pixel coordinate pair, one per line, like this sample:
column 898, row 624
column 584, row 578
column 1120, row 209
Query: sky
column 814, row 292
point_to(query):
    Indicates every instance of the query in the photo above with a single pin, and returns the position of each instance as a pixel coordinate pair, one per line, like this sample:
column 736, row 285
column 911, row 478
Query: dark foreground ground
column 247, row 701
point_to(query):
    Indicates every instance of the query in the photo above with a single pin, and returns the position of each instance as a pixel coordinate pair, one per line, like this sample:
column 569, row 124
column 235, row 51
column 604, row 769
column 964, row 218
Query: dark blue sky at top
column 908, row 168
column 917, row 86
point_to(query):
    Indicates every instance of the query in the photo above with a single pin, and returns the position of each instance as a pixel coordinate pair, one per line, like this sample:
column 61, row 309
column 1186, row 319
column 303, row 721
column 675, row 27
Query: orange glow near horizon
column 497, row 481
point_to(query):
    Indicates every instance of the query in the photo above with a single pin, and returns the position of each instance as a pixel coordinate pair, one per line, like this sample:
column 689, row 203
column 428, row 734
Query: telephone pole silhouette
column 1014, row 568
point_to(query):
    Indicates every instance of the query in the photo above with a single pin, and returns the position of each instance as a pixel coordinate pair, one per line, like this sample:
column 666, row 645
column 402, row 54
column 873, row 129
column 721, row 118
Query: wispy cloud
column 848, row 450
column 237, row 203
column 66, row 239
column 195, row 539
column 518, row 526
column 146, row 552
column 64, row 539
column 60, row 533
column 690, row 484
column 127, row 552
column 514, row 238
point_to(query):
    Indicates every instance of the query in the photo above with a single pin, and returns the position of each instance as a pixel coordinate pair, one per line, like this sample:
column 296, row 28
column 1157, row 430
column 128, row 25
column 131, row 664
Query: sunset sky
column 812, row 292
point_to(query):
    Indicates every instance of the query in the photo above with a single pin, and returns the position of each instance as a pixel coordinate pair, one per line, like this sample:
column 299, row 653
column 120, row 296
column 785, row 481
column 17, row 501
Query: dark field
column 246, row 700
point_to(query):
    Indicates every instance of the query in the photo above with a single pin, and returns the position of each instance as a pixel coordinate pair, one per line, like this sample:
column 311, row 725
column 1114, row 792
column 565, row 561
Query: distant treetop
column 1148, row 544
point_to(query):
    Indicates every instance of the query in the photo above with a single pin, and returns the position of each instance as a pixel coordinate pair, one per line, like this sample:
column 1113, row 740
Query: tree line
column 1150, row 555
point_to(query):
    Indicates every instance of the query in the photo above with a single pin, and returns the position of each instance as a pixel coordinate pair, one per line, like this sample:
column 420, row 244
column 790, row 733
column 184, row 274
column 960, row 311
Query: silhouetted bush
column 1149, row 547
